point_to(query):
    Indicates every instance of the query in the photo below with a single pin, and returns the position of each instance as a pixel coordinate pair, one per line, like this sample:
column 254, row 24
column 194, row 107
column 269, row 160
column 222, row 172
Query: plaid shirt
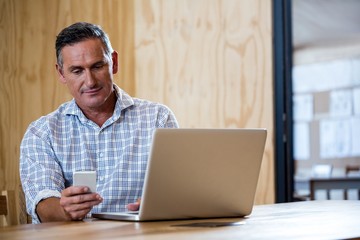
column 65, row 141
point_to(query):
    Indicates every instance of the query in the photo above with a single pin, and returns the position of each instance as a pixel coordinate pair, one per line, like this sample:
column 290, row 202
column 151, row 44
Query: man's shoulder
column 57, row 115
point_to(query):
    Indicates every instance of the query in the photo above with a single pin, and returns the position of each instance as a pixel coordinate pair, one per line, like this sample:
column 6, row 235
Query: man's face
column 88, row 73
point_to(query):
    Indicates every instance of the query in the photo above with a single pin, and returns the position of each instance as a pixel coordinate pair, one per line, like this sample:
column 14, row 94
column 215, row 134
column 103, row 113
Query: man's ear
column 115, row 63
column 60, row 72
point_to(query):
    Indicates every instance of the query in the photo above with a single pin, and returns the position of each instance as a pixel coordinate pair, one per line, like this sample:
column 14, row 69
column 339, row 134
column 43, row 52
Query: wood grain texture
column 297, row 220
column 210, row 61
column 28, row 81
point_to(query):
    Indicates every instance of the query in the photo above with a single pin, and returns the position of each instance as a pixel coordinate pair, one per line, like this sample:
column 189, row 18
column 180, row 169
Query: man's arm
column 74, row 204
column 49, row 210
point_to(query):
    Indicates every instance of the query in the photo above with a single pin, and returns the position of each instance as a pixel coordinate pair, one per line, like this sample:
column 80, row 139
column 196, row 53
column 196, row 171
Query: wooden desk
column 332, row 183
column 298, row 220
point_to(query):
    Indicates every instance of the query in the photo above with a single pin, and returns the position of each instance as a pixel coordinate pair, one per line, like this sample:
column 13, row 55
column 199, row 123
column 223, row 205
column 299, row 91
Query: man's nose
column 90, row 79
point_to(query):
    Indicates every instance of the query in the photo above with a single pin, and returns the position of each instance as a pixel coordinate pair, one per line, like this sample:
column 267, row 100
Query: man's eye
column 76, row 71
column 98, row 66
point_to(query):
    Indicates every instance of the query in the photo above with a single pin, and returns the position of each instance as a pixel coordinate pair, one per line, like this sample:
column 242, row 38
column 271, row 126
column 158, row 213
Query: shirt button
column 101, row 155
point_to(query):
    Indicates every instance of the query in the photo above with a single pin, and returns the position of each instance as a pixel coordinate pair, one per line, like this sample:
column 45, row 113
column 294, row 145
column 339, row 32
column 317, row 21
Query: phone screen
column 85, row 178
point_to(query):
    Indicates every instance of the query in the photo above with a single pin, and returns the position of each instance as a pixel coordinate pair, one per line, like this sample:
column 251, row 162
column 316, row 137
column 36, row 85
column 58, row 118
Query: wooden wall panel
column 211, row 62
column 28, row 81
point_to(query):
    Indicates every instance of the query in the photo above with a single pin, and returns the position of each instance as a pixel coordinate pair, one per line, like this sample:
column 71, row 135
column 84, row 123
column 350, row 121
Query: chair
column 13, row 208
column 321, row 171
column 4, row 211
column 352, row 170
column 3, row 205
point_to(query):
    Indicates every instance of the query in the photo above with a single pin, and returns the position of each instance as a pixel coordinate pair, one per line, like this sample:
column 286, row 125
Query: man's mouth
column 92, row 90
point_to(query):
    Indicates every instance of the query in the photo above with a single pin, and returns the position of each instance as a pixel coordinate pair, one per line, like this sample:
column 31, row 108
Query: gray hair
column 78, row 32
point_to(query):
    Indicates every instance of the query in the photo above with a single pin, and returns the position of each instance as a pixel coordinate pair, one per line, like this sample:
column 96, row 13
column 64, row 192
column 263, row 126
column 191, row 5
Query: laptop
column 199, row 173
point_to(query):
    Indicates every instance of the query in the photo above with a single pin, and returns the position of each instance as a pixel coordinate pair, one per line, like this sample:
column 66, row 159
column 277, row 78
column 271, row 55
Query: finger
column 76, row 211
column 74, row 190
column 77, row 194
column 85, row 200
column 133, row 206
column 87, row 197
column 78, row 206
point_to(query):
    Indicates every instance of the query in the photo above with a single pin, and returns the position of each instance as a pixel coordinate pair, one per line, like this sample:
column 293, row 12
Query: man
column 101, row 129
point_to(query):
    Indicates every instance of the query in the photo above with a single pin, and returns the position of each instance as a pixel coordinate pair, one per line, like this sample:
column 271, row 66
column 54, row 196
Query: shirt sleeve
column 40, row 172
column 167, row 118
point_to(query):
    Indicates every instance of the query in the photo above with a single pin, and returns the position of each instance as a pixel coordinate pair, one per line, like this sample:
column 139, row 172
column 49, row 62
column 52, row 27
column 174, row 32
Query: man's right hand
column 75, row 203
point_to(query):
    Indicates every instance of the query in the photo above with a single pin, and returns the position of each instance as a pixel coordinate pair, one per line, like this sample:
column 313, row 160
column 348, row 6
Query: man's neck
column 101, row 115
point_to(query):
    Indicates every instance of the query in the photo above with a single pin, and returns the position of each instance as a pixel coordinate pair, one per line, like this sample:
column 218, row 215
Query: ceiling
column 324, row 30
column 325, row 22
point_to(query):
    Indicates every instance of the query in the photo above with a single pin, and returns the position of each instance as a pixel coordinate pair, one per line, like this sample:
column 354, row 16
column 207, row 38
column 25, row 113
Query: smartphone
column 85, row 178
